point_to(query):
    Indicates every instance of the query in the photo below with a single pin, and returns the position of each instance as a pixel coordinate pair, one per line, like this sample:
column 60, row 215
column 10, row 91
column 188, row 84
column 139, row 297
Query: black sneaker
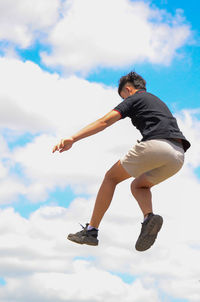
column 85, row 236
column 150, row 228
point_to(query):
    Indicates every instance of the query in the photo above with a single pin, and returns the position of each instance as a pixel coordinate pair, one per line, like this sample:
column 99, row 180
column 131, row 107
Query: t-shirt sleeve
column 124, row 108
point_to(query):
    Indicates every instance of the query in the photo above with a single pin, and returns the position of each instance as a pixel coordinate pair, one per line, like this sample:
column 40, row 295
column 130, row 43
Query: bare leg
column 114, row 176
column 140, row 189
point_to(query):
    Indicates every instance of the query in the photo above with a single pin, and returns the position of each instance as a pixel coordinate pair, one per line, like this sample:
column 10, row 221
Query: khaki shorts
column 158, row 159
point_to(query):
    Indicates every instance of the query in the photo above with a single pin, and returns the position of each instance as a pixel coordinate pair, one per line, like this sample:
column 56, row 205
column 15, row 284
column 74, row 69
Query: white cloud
column 22, row 22
column 87, row 34
column 36, row 260
column 95, row 33
column 190, row 125
column 44, row 104
column 85, row 284
column 14, row 117
column 36, row 251
column 36, row 248
column 10, row 189
column 84, row 35
column 39, row 101
column 36, row 255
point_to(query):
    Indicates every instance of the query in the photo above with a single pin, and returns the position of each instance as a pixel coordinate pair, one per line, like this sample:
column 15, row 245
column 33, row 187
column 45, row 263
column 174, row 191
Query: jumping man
column 158, row 156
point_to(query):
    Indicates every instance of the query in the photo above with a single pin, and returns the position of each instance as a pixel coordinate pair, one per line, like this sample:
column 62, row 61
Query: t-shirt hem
column 118, row 112
column 186, row 144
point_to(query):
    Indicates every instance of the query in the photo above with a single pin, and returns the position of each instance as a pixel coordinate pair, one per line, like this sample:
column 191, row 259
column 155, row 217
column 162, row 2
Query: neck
column 133, row 91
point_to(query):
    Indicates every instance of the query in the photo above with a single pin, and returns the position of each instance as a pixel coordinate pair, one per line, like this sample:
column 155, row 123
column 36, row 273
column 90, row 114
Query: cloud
column 36, row 255
column 36, row 260
column 190, row 125
column 112, row 34
column 87, row 284
column 42, row 101
column 84, row 35
column 14, row 117
column 28, row 20
column 35, row 251
column 51, row 107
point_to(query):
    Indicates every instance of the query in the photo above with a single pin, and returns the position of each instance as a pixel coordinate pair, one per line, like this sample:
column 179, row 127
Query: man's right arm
column 93, row 128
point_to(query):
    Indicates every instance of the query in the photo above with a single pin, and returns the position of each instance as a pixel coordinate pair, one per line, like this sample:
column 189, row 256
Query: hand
column 64, row 145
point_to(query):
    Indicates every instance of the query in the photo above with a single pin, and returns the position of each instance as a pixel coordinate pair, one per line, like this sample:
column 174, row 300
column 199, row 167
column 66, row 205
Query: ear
column 128, row 88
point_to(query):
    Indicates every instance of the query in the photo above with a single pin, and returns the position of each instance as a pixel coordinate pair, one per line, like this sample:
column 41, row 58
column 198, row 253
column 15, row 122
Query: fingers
column 64, row 145
column 59, row 146
column 55, row 148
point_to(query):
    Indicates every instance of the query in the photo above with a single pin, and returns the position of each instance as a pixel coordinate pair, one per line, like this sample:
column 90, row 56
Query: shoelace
column 84, row 228
column 81, row 225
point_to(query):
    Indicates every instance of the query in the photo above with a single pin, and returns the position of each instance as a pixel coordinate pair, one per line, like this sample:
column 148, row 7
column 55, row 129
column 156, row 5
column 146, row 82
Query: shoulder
column 144, row 93
column 148, row 97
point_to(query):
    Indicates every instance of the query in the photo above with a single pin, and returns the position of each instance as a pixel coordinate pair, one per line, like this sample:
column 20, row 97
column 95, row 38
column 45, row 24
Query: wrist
column 73, row 139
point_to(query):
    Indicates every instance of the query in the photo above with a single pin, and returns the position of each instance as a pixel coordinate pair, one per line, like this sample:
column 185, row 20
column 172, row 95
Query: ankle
column 89, row 228
column 147, row 215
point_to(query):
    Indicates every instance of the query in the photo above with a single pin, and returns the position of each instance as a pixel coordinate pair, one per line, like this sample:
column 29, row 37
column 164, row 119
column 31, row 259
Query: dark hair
column 135, row 79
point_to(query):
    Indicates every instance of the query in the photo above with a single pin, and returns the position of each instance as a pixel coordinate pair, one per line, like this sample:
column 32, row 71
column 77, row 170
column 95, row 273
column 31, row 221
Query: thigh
column 117, row 173
column 157, row 175
column 174, row 162
column 142, row 157
column 164, row 172
column 154, row 158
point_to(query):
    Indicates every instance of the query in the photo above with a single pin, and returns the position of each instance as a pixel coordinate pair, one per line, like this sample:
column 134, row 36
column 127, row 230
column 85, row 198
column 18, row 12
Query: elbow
column 103, row 124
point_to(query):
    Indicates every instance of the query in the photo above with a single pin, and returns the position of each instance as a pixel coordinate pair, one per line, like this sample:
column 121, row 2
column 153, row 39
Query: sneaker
column 150, row 228
column 85, row 236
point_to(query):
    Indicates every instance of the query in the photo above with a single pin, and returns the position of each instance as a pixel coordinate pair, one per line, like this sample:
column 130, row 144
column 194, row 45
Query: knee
column 133, row 186
column 111, row 178
column 138, row 184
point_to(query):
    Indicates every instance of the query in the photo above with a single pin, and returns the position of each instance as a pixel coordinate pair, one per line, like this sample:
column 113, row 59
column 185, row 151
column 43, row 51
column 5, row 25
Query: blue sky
column 2, row 281
column 31, row 181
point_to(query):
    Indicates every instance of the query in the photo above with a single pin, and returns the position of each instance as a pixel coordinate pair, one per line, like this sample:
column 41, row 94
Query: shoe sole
column 93, row 243
column 147, row 239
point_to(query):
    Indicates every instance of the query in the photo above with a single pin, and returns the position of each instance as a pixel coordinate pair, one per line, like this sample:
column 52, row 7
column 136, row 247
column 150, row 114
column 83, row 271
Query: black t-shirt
column 151, row 117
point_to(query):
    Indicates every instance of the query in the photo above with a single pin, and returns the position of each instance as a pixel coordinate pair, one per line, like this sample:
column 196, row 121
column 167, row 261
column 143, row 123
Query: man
column 158, row 156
